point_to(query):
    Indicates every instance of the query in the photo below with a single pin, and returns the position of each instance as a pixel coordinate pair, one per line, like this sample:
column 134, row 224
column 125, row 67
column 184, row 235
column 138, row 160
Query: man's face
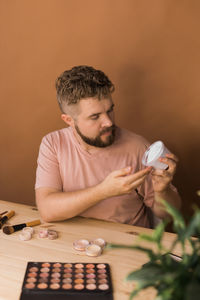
column 95, row 122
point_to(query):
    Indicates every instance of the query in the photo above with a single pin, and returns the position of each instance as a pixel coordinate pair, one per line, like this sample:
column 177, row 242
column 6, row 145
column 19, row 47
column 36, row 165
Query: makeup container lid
column 152, row 155
column 99, row 241
column 93, row 250
column 80, row 245
column 28, row 229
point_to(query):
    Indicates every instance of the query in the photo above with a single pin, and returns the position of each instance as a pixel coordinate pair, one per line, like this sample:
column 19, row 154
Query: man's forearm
column 168, row 195
column 57, row 206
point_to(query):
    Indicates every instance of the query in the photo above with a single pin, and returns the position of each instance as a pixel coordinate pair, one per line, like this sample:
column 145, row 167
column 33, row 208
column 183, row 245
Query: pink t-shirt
column 63, row 164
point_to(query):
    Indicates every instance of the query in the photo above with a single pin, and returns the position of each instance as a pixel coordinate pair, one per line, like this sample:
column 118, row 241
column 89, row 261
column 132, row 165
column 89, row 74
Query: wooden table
column 14, row 253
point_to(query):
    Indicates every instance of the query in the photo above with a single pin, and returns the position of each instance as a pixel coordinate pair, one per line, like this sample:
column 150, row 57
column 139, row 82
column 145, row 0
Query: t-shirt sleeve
column 48, row 171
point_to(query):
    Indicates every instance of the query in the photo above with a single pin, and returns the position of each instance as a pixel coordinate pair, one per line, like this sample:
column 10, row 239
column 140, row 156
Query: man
column 92, row 168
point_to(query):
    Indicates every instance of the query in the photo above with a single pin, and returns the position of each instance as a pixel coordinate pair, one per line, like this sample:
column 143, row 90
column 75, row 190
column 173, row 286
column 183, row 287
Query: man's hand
column 162, row 178
column 121, row 182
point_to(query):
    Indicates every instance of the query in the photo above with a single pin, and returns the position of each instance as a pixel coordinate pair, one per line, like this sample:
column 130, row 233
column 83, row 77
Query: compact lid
column 153, row 152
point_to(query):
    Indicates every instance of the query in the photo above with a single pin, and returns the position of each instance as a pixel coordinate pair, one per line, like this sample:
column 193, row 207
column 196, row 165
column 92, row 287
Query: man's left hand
column 162, row 178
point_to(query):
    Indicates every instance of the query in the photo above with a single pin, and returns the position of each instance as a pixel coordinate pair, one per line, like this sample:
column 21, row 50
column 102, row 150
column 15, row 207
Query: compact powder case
column 63, row 281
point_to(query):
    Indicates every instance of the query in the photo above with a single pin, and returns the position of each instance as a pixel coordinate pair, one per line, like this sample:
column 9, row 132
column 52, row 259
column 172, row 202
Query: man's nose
column 106, row 121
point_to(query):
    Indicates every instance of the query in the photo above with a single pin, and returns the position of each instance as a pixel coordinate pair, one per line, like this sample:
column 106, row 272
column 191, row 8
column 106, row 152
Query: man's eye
column 94, row 117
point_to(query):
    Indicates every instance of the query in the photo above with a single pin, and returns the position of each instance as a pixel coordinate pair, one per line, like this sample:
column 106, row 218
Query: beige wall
column 150, row 49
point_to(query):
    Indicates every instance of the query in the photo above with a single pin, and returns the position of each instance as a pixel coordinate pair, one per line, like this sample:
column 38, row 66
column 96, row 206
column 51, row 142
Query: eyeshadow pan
column 33, row 269
column 90, row 276
column 67, row 280
column 79, row 286
column 79, row 280
column 90, row 266
column 103, row 286
column 55, row 280
column 56, row 265
column 103, row 281
column 79, row 275
column 56, row 274
column 78, row 270
column 56, row 270
column 79, row 266
column 68, row 270
column 67, row 286
column 67, row 265
column 102, row 276
column 43, row 279
column 60, row 281
column 90, row 271
column 54, row 286
column 91, row 286
column 33, row 274
column 46, row 265
column 42, row 285
column 31, row 279
column 30, row 285
column 101, row 266
column 44, row 274
column 44, row 269
column 67, row 275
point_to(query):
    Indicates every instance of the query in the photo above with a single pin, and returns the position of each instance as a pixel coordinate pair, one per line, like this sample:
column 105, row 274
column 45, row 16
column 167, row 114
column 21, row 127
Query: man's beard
column 97, row 142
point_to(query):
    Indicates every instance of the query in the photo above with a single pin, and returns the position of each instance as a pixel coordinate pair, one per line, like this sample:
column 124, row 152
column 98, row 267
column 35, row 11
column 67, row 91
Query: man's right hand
column 121, row 182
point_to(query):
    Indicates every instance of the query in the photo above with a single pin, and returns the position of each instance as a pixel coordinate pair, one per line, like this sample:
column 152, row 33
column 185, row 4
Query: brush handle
column 6, row 217
column 21, row 226
column 33, row 223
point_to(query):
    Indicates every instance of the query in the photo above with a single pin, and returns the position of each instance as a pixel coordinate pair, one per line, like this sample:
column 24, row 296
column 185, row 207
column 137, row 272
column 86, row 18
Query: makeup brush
column 13, row 228
column 7, row 216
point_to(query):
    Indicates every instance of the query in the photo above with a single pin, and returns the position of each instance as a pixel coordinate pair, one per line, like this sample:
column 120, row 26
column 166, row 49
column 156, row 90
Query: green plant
column 173, row 280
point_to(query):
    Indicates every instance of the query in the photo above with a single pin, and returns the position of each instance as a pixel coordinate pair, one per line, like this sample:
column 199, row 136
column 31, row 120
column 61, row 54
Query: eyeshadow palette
column 63, row 281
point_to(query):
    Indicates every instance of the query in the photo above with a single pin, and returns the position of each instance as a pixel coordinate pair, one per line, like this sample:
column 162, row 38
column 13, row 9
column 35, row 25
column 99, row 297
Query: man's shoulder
column 57, row 136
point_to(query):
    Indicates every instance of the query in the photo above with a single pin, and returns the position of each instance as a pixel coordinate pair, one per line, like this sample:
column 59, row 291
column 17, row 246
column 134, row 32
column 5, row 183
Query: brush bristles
column 8, row 229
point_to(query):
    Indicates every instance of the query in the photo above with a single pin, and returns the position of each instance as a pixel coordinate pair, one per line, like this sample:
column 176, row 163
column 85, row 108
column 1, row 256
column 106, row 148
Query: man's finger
column 171, row 164
column 140, row 174
column 137, row 183
column 172, row 157
column 122, row 172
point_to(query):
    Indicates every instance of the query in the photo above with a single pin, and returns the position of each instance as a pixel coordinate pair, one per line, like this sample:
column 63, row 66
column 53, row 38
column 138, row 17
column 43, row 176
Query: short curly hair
column 82, row 82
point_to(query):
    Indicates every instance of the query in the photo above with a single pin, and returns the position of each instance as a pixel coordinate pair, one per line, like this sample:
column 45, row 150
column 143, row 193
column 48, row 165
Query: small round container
column 93, row 250
column 80, row 245
column 152, row 155
column 99, row 241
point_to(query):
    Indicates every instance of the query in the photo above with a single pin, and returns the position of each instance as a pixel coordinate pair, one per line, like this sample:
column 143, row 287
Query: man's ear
column 67, row 119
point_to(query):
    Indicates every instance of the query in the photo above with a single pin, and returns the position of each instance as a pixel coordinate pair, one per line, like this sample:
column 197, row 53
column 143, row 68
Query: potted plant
column 173, row 280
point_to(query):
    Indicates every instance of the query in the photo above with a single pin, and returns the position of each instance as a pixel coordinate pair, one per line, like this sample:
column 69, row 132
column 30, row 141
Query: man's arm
column 162, row 188
column 55, row 205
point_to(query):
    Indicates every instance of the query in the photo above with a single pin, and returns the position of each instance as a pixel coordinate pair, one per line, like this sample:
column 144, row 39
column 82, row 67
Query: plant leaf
column 194, row 226
column 148, row 273
column 178, row 221
column 158, row 232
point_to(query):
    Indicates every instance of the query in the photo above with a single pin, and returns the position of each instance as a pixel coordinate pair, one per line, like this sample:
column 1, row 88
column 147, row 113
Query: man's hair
column 82, row 82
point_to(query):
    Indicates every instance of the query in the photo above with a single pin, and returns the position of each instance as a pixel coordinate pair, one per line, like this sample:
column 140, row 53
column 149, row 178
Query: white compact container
column 152, row 155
